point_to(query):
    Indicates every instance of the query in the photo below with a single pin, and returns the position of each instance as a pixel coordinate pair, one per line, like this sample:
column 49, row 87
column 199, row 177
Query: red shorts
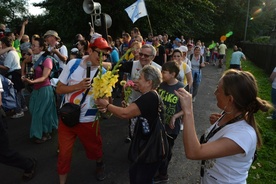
column 86, row 132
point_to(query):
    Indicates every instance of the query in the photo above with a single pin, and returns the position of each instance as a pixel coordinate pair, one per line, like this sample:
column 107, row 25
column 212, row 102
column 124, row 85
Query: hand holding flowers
column 127, row 86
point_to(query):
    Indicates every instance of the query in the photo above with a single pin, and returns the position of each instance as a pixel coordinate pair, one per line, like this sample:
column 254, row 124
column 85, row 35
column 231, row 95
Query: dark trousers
column 163, row 170
column 140, row 173
column 8, row 156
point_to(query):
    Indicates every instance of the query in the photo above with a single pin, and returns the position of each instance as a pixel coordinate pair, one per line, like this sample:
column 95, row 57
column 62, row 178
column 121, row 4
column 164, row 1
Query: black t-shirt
column 148, row 104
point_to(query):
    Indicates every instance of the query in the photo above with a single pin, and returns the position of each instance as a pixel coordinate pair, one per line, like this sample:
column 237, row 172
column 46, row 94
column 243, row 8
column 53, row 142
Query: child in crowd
column 173, row 112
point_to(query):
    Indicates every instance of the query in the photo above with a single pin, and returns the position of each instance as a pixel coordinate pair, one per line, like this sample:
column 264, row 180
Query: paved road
column 114, row 130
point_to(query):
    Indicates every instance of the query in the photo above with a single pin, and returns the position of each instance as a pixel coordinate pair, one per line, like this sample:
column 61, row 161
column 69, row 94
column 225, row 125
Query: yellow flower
column 123, row 83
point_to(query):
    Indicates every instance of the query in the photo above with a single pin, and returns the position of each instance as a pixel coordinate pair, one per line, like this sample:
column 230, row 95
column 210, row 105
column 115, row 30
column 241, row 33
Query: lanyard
column 213, row 132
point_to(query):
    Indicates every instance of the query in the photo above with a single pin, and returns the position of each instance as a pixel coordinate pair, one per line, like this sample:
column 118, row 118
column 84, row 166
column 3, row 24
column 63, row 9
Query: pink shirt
column 38, row 73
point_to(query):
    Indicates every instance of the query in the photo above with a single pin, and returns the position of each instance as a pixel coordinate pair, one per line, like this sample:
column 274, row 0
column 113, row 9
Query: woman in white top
column 185, row 73
column 228, row 147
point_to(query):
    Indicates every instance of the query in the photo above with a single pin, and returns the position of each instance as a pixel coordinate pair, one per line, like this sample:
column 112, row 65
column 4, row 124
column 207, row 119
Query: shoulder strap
column 191, row 57
column 39, row 60
column 74, row 67
column 86, row 92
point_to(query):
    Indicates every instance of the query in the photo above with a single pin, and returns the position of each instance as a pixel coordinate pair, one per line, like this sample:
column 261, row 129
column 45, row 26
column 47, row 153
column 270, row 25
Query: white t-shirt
column 88, row 109
column 222, row 49
column 12, row 61
column 182, row 73
column 232, row 169
column 135, row 74
column 63, row 51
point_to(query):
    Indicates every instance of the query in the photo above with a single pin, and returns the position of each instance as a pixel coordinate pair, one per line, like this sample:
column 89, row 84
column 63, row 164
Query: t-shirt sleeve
column 48, row 63
column 244, row 136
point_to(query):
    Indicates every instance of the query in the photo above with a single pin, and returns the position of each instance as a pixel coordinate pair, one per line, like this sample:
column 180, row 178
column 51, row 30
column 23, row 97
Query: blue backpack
column 9, row 94
column 55, row 70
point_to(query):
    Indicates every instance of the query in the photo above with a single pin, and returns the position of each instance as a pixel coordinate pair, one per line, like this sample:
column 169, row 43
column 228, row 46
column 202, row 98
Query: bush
column 261, row 39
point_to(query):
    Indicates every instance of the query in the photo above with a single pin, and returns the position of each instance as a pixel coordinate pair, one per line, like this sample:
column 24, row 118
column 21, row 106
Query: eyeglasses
column 145, row 55
column 103, row 54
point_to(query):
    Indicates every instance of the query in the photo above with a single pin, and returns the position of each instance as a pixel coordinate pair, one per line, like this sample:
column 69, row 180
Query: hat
column 178, row 40
column 74, row 51
column 52, row 33
column 183, row 48
column 189, row 44
column 95, row 36
column 100, row 43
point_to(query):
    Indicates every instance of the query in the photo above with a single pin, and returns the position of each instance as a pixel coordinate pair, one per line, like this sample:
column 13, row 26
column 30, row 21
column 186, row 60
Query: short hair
column 126, row 35
column 136, row 43
column 177, row 50
column 7, row 41
column 136, row 30
column 153, row 50
column 171, row 67
column 153, row 74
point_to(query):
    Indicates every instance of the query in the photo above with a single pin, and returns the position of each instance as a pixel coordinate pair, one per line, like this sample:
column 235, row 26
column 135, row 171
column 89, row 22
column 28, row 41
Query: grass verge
column 263, row 169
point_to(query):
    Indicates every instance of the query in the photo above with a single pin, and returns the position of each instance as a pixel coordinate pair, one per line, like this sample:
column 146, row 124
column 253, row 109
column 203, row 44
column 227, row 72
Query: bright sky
column 34, row 10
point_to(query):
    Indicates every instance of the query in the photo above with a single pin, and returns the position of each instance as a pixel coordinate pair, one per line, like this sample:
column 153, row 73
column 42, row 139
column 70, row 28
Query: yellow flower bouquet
column 104, row 83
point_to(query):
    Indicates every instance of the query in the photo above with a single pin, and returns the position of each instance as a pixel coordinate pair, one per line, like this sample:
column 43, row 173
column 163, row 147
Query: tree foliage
column 200, row 19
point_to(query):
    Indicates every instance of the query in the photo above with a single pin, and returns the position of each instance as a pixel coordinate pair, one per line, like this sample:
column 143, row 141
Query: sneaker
column 100, row 174
column 18, row 115
column 194, row 99
column 28, row 175
column 161, row 178
column 25, row 109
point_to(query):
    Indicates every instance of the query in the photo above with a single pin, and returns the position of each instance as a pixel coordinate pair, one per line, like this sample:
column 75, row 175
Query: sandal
column 30, row 174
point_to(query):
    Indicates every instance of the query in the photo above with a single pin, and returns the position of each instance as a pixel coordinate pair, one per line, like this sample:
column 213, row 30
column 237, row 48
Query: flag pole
column 149, row 20
column 150, row 24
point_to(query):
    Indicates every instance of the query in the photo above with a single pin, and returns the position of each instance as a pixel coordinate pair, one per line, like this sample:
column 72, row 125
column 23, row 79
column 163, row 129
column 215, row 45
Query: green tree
column 10, row 10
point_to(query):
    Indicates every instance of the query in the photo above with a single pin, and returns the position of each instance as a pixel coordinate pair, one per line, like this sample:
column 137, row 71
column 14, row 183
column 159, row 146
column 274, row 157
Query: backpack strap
column 41, row 58
column 191, row 57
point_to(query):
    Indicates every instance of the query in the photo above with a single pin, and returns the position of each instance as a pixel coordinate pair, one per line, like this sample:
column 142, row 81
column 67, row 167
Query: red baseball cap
column 100, row 43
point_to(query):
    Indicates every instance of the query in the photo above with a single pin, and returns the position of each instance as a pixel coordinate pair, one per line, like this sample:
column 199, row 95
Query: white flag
column 137, row 10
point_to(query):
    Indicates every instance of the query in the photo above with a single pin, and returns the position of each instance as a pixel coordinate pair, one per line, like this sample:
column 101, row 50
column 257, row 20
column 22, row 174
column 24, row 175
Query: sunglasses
column 103, row 54
column 145, row 55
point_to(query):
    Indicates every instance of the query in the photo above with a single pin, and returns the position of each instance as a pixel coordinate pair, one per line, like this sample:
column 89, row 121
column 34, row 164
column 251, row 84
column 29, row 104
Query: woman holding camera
column 42, row 104
column 227, row 149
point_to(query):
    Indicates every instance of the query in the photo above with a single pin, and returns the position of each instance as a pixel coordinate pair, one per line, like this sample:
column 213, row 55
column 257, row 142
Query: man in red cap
column 73, row 82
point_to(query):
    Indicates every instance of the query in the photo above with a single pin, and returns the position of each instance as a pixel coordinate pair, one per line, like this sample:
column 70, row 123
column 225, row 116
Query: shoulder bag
column 70, row 112
column 153, row 149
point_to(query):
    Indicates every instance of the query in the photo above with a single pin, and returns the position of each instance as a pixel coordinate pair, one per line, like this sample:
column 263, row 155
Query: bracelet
column 107, row 106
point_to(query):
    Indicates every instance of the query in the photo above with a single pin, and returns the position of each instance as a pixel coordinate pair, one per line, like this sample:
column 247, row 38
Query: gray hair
column 153, row 74
column 153, row 51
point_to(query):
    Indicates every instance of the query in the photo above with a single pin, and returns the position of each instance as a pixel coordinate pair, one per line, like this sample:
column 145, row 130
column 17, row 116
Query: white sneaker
column 194, row 99
column 18, row 115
